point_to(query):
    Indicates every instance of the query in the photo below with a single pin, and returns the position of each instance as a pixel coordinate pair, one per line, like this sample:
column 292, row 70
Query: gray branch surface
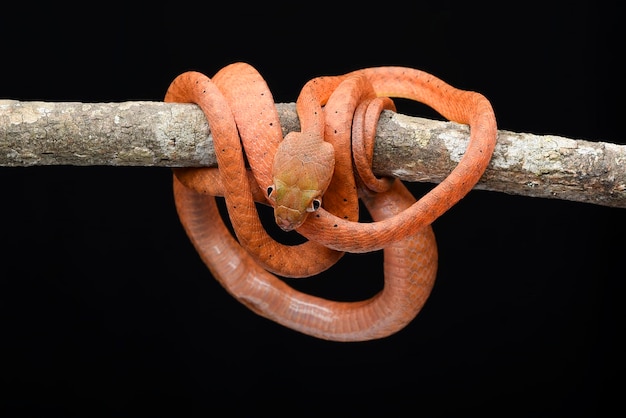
column 156, row 134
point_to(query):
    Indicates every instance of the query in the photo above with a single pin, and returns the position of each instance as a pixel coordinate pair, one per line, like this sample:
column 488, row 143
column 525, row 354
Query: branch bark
column 157, row 134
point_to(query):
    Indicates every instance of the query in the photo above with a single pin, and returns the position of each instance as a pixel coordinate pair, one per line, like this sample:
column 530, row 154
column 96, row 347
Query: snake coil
column 308, row 178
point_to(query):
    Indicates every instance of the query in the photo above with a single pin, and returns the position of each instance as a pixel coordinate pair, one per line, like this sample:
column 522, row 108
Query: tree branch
column 411, row 148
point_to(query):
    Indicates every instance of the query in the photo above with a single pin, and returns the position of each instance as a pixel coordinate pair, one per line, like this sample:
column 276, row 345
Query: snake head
column 291, row 204
column 302, row 170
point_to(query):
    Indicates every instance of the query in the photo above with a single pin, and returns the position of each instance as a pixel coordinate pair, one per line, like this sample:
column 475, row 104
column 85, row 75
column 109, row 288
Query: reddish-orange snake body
column 294, row 173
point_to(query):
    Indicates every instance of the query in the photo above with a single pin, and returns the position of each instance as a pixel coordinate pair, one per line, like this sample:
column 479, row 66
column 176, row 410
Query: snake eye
column 270, row 193
column 315, row 205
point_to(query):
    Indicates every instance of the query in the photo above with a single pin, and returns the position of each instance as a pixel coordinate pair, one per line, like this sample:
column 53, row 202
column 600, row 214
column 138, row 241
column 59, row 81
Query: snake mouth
column 288, row 219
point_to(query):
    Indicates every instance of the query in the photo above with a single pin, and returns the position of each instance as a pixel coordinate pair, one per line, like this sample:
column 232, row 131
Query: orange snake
column 294, row 173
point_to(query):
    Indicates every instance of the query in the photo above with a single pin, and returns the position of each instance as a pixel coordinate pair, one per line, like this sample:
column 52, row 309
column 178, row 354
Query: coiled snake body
column 308, row 178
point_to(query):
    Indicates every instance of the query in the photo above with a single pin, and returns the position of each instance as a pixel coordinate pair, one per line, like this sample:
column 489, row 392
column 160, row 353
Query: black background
column 106, row 309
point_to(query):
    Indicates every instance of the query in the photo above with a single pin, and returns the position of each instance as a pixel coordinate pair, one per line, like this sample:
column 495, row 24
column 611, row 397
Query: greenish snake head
column 291, row 204
column 302, row 170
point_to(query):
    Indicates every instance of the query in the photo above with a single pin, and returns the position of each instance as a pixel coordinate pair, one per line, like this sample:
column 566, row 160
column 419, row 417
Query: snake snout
column 288, row 219
column 285, row 225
